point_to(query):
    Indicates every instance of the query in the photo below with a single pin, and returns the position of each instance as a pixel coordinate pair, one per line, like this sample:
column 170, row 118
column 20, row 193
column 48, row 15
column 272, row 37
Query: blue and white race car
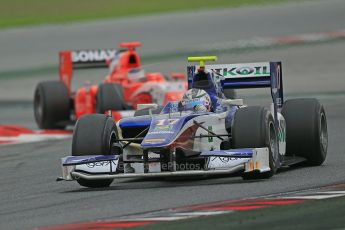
column 203, row 134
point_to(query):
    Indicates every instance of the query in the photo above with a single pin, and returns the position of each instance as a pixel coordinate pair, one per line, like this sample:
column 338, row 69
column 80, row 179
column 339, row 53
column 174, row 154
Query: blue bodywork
column 239, row 153
column 164, row 130
column 77, row 160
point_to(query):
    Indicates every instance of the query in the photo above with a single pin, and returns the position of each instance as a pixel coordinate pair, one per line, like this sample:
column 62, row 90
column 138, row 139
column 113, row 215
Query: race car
column 127, row 84
column 204, row 133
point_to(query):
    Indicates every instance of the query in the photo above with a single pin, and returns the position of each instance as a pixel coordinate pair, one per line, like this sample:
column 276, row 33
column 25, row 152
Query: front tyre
column 254, row 127
column 94, row 134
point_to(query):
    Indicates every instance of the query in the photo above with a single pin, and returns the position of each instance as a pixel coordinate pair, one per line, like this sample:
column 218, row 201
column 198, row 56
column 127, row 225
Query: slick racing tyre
column 94, row 134
column 109, row 97
column 51, row 105
column 254, row 127
column 306, row 129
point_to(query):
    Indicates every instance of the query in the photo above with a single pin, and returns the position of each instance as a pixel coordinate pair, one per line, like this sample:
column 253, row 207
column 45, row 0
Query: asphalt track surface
column 279, row 217
column 31, row 198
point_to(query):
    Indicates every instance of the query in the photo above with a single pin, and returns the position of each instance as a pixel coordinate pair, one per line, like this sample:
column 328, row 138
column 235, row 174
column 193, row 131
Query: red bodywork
column 84, row 99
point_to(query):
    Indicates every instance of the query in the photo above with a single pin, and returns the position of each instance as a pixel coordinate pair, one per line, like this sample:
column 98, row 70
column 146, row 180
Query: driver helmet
column 136, row 75
column 197, row 99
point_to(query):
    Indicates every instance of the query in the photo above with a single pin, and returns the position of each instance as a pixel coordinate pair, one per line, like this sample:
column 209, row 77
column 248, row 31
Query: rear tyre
column 94, row 134
column 306, row 129
column 110, row 97
column 254, row 127
column 51, row 105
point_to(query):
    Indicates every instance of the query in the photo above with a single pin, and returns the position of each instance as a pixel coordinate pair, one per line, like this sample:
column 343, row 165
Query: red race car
column 56, row 105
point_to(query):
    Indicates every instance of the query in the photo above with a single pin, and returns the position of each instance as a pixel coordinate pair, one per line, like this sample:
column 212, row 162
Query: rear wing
column 248, row 75
column 80, row 59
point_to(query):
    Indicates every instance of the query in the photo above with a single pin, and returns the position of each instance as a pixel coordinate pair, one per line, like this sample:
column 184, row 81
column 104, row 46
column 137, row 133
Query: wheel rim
column 38, row 107
column 323, row 132
column 111, row 141
column 273, row 143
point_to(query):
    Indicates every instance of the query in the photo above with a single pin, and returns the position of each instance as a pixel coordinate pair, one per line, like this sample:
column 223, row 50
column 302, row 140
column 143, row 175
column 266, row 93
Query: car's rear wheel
column 94, row 134
column 306, row 129
column 254, row 127
column 51, row 105
column 109, row 97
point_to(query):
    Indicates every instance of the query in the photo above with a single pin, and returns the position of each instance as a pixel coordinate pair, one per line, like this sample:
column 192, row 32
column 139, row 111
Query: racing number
column 167, row 122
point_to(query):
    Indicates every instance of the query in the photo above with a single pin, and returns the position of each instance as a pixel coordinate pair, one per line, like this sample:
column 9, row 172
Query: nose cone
column 163, row 132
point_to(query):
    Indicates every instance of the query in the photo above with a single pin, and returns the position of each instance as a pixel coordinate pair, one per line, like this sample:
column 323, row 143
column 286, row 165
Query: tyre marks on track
column 210, row 209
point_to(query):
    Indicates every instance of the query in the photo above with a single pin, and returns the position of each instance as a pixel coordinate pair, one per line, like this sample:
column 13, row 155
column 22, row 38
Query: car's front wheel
column 94, row 134
column 254, row 127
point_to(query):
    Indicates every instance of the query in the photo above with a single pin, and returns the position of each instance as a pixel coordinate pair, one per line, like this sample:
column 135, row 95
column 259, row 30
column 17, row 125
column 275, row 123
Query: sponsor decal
column 281, row 136
column 241, row 70
column 227, row 159
column 166, row 122
column 224, row 162
column 92, row 55
column 279, row 102
column 174, row 107
column 155, row 140
column 98, row 164
column 278, row 77
column 163, row 128
column 152, row 155
column 210, row 139
column 282, row 131
column 161, row 132
column 276, row 84
column 279, row 87
column 190, row 73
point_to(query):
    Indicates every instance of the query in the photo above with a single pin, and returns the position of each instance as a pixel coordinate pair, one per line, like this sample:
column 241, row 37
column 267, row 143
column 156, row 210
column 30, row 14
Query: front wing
column 217, row 162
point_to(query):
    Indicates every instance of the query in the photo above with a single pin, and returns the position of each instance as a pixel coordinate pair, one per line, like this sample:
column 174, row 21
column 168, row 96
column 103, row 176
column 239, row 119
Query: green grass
column 32, row 12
